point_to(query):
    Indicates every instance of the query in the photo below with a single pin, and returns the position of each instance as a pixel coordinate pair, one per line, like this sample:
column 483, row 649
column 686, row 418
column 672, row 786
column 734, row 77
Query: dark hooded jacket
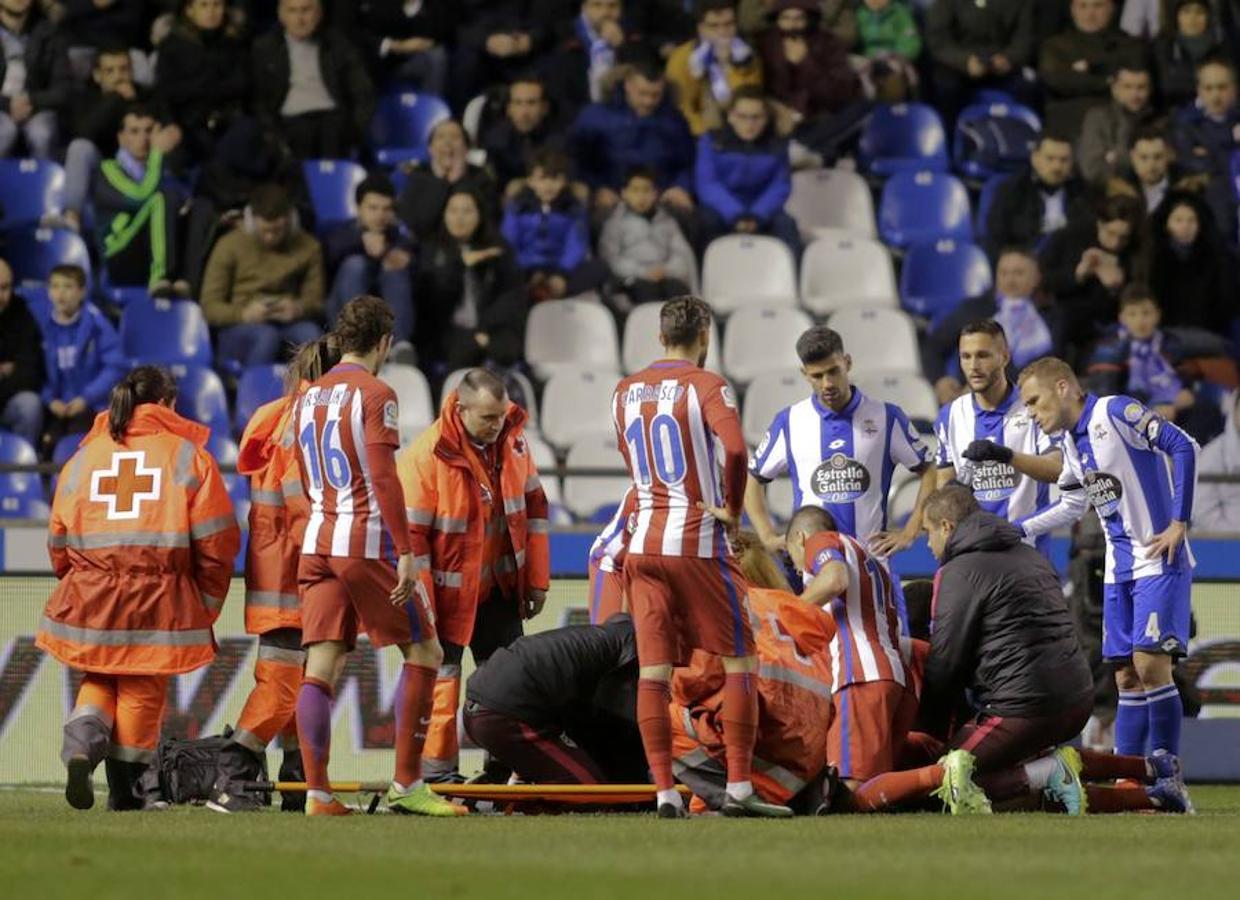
column 1000, row 628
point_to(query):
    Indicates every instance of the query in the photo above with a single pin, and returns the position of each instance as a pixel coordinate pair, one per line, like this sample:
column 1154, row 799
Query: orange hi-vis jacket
column 279, row 511
column 449, row 505
column 794, row 697
column 143, row 539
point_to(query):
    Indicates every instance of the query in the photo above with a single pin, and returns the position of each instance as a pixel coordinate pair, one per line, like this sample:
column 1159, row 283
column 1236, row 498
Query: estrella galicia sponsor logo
column 1105, row 492
column 840, row 479
column 994, row 481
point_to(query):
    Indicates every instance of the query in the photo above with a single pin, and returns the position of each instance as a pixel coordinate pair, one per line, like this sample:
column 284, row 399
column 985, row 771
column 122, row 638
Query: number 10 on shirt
column 668, row 450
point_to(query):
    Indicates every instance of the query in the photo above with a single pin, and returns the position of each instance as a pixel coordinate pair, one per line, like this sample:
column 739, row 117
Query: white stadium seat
column 912, row 393
column 417, row 410
column 761, row 339
column 544, row 459
column 779, row 499
column 743, row 269
column 571, row 334
column 766, row 395
column 641, row 339
column 576, row 403
column 901, row 498
column 840, row 270
column 454, row 379
column 878, row 340
column 584, row 494
column 831, row 198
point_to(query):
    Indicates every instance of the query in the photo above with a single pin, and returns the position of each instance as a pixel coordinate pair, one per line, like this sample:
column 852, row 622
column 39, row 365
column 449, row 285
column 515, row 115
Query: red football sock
column 1101, row 766
column 656, row 727
column 740, row 723
column 414, row 696
column 1117, row 799
column 891, row 789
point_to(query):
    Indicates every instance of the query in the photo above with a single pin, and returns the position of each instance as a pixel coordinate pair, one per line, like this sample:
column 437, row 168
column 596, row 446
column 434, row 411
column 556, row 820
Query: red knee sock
column 740, row 723
column 415, row 695
column 1117, row 799
column 656, row 727
column 891, row 789
column 1100, row 766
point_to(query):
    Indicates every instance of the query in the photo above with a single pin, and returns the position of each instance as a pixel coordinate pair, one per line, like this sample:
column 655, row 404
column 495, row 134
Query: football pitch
column 47, row 850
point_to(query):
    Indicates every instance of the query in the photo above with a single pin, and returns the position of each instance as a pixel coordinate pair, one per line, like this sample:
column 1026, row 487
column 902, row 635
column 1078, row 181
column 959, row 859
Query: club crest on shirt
column 1105, row 493
column 1132, row 412
column 518, row 446
column 840, row 479
column 729, row 399
column 869, row 427
column 1099, row 432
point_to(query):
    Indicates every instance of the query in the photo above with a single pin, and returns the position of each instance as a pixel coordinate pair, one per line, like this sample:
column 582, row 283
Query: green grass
column 48, row 850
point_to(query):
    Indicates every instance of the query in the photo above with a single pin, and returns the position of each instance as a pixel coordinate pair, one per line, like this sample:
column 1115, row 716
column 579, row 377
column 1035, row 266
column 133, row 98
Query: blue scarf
column 702, row 62
column 1150, row 373
column 1028, row 335
column 602, row 57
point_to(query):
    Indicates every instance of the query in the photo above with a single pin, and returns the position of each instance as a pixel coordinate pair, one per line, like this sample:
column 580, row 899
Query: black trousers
column 497, row 625
column 319, row 135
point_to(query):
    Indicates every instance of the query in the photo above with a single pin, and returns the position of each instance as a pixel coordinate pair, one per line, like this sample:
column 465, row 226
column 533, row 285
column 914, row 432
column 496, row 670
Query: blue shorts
column 1147, row 614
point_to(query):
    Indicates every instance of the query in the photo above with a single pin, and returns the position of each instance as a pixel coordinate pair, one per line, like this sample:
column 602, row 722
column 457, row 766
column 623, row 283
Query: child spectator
column 546, row 226
column 643, row 246
column 373, row 255
column 708, row 70
column 1138, row 358
column 743, row 176
column 82, row 356
column 890, row 44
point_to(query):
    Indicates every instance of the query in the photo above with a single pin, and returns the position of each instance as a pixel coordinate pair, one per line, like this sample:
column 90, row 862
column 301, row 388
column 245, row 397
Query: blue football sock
column 1166, row 714
column 1132, row 724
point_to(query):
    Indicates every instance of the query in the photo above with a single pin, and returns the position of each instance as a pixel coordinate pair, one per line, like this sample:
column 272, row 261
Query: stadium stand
column 840, row 270
column 33, row 254
column 766, row 395
column 417, row 408
column 403, row 124
column 923, row 206
column 256, row 386
column 904, row 137
column 569, row 334
column 878, row 340
column 761, row 339
column 831, row 198
column 738, row 270
column 331, row 183
column 641, row 344
column 201, row 397
column 32, row 189
column 576, row 403
column 936, row 277
column 165, row 331
column 594, row 497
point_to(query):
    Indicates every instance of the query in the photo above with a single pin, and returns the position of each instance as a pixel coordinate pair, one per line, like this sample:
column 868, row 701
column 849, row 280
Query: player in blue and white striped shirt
column 987, row 439
column 1139, row 472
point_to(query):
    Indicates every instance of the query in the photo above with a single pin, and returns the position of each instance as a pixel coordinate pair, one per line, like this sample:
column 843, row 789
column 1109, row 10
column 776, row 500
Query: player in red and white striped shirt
column 676, row 425
column 347, row 438
column 873, row 696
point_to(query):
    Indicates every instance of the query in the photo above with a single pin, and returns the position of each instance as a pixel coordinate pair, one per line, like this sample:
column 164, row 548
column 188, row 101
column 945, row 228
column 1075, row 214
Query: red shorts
column 606, row 594
column 868, row 728
column 338, row 592
column 686, row 603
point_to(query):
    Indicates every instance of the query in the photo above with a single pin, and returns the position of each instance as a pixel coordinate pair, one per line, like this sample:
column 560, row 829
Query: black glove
column 981, row 451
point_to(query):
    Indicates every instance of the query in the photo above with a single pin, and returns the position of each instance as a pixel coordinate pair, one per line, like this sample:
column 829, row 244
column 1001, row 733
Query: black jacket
column 1015, row 217
column 1086, row 308
column 1197, row 286
column 420, row 205
column 203, row 77
column 48, row 79
column 509, row 151
column 1001, row 628
column 368, row 22
column 97, row 116
column 340, row 63
column 21, row 344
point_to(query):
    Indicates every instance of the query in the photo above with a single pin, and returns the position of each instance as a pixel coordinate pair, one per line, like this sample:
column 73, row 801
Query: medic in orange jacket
column 143, row 540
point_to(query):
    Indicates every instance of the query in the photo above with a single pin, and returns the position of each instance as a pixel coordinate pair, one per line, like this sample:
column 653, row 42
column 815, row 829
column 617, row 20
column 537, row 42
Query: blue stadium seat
column 256, row 386
column 29, row 188
column 986, row 199
column 978, row 117
column 65, row 448
column 34, row 253
column 121, row 297
column 922, row 207
column 18, row 489
column 165, row 331
column 331, row 183
column 903, row 137
column 936, row 277
column 403, row 122
column 200, row 396
column 225, row 451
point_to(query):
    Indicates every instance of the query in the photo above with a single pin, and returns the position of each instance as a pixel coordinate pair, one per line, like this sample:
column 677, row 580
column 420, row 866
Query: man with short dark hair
column 1106, row 129
column 979, row 45
column 1208, row 131
column 35, row 80
column 1151, row 170
column 705, row 72
column 1033, row 204
column 525, row 127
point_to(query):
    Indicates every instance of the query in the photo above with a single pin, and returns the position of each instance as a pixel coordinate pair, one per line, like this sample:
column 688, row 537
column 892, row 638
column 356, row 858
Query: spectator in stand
column 203, row 75
column 470, row 290
column 1151, row 171
column 495, row 41
column 311, row 84
column 374, row 255
column 1190, row 40
column 526, row 126
column 641, row 126
column 96, row 111
column 401, row 41
column 1216, row 506
column 1077, row 64
column 743, row 177
column 428, row 184
column 546, row 226
column 891, row 44
column 1086, row 265
column 82, row 356
column 1138, row 358
column 588, row 64
column 836, row 16
column 1030, row 206
column 1192, row 271
column 1103, row 148
column 137, row 206
column 808, row 74
column 643, row 246
column 705, row 72
column 263, row 285
column 90, row 26
column 1016, row 302
column 979, row 45
column 21, row 363
column 34, row 81
column 1207, row 132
